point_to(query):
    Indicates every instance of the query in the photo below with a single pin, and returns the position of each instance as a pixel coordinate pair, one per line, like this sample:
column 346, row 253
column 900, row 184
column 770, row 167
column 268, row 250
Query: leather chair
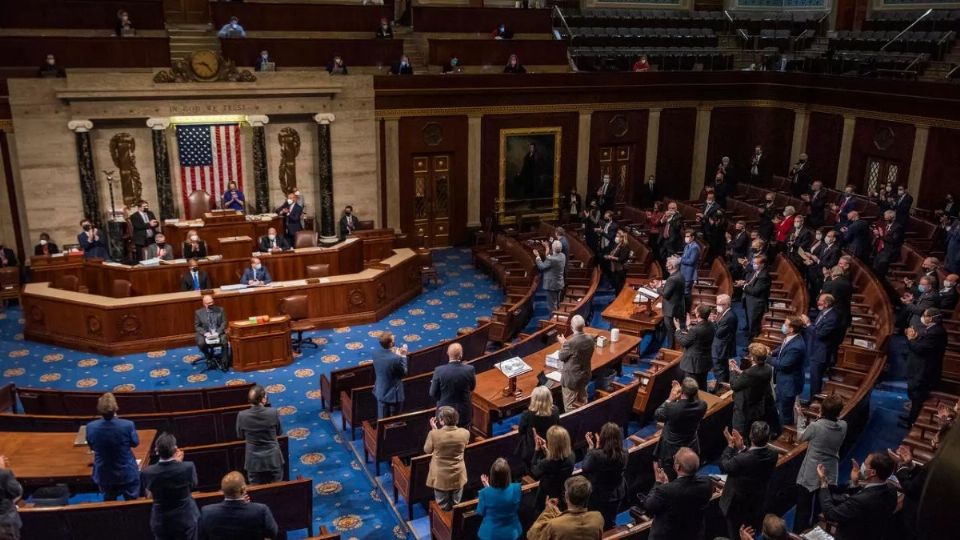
column 121, row 288
column 305, row 239
column 318, row 270
column 296, row 307
column 67, row 283
column 9, row 285
column 198, row 203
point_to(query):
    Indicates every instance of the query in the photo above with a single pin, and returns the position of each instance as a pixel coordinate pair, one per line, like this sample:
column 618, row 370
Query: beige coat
column 569, row 525
column 447, row 470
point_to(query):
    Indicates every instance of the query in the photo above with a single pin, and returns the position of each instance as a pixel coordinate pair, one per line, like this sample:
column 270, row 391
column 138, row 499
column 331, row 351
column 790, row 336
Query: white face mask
column 256, row 266
column 784, row 328
column 289, row 201
column 43, row 242
column 272, row 236
column 194, row 238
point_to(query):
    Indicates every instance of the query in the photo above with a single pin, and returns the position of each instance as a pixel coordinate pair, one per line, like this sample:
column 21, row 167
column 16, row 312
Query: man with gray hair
column 576, row 353
column 889, row 236
column 553, row 268
column 673, row 300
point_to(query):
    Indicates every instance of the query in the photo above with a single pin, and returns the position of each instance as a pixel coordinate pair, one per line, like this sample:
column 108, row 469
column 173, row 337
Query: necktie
column 196, row 281
column 273, row 244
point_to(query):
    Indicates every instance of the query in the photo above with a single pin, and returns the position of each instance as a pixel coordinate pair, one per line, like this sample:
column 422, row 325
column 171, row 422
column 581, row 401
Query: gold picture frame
column 529, row 185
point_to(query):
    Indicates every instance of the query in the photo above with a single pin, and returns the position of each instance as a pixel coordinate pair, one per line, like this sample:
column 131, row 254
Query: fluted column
column 701, row 142
column 653, row 143
column 261, row 187
column 328, row 232
column 89, row 188
column 161, row 167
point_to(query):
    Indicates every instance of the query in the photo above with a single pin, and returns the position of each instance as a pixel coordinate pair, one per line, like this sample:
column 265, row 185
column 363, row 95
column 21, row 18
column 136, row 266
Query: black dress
column 606, row 477
column 529, row 422
column 551, row 473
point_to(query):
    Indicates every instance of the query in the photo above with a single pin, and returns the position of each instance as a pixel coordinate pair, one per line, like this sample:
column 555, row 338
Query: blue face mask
column 922, row 288
column 784, row 328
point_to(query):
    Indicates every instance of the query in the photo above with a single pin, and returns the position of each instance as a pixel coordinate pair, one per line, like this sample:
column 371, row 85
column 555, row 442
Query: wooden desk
column 632, row 318
column 261, row 345
column 216, row 227
column 39, row 459
column 490, row 405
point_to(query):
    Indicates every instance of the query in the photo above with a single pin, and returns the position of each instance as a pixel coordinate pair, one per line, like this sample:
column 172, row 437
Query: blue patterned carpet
column 346, row 498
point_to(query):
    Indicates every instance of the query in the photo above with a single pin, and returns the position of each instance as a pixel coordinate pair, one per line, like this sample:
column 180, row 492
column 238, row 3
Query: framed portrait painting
column 529, row 171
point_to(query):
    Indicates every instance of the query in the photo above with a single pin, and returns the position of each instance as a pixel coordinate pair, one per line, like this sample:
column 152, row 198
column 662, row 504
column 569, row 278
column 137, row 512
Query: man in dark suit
column 606, row 194
column 739, row 242
column 681, row 414
column 273, row 242
column 857, row 236
column 767, row 212
column 8, row 257
column 671, row 237
column 817, row 205
column 929, row 267
column 844, row 205
column 890, row 238
column 292, row 213
column 831, row 252
column 389, row 367
column 948, row 293
column 236, row 518
column 902, row 205
column 799, row 239
column 926, row 345
column 756, row 295
column 673, row 300
column 348, row 223
column 112, row 439
column 606, row 234
column 453, row 384
column 260, row 426
column 45, row 246
column 402, row 67
column 914, row 304
column 823, row 336
column 724, row 346
column 195, row 279
column 145, row 225
column 210, row 324
column 169, row 483
column 10, row 493
column 800, row 176
column 748, row 472
column 576, row 354
column 710, row 209
column 649, row 193
column 759, row 167
column 679, row 506
column 787, row 361
column 697, row 340
column 256, row 274
column 866, row 512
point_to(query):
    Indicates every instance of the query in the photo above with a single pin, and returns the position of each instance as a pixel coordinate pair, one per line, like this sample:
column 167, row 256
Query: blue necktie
column 196, row 281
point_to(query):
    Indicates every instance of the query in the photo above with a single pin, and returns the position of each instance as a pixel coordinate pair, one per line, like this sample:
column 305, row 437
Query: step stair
column 186, row 39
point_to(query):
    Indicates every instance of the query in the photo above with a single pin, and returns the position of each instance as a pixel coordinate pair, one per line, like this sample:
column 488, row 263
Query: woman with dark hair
column 499, row 504
column 823, row 439
column 514, row 65
column 603, row 466
column 752, row 393
column 553, row 463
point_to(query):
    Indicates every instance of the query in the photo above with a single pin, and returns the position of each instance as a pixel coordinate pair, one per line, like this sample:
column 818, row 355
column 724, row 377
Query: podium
column 261, row 345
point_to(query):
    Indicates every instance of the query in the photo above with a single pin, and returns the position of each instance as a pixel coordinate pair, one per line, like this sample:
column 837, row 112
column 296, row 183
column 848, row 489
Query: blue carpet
column 346, row 499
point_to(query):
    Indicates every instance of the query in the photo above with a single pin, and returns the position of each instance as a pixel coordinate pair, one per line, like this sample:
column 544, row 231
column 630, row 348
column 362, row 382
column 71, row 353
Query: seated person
column 514, row 65
column 195, row 279
column 45, row 247
column 160, row 249
column 384, row 31
column 233, row 198
column 50, row 69
column 194, row 247
column 402, row 67
column 273, row 242
column 348, row 222
column 641, row 65
column 90, row 242
column 263, row 60
column 211, row 327
column 8, row 257
column 502, row 32
column 452, row 65
column 236, row 516
column 337, row 67
column 124, row 25
column 255, row 275
column 232, row 29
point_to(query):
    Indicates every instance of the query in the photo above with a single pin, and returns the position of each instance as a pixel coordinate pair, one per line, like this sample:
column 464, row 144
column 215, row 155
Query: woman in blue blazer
column 499, row 504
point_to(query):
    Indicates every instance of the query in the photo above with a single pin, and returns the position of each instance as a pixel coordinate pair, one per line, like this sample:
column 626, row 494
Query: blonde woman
column 535, row 421
column 194, row 247
column 553, row 463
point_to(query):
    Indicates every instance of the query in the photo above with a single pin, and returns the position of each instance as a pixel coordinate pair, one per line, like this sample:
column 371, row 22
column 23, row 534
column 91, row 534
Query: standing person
column 576, row 522
column 697, row 341
column 260, row 426
column 679, row 506
column 384, row 31
column 236, row 518
column 724, row 346
column 787, row 361
column 606, row 194
column 292, row 213
column 767, row 214
column 10, row 492
column 748, row 472
column 902, row 206
column 553, row 463
column 576, row 354
column 756, row 295
column 866, row 513
column 649, row 193
column 234, row 198
column 169, row 483
column 145, row 225
column 824, row 438
column 617, row 261
column 840, row 288
column 498, row 503
column 752, row 397
column 689, row 265
column 926, row 345
column 888, row 241
column 446, row 443
column 673, row 303
column 389, row 367
column 817, row 201
column 823, row 337
column 453, row 384
column 348, row 223
column 606, row 233
column 800, row 176
column 553, row 268
column 681, row 414
column 759, row 171
column 112, row 440
column 573, row 204
column 671, row 241
column 232, row 29
column 534, row 423
column 857, row 236
column 603, row 465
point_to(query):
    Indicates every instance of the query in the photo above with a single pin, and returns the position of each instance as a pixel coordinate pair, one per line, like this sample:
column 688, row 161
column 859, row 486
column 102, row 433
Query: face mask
column 289, row 201
column 819, row 237
column 784, row 328
column 51, row 61
column 161, row 244
column 863, row 471
column 454, row 62
column 264, row 56
column 922, row 288
column 256, row 267
column 272, row 236
column 87, row 227
column 946, row 284
column 43, row 242
column 194, row 238
column 194, row 269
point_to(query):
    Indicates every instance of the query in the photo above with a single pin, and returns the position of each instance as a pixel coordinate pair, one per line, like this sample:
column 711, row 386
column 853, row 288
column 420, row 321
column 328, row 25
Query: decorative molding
column 324, row 118
column 80, row 126
column 187, row 71
column 129, row 325
column 6, row 126
column 356, row 298
column 158, row 123
column 258, row 120
column 94, row 326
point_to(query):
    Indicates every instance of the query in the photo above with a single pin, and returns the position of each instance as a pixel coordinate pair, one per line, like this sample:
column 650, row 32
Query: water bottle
column 614, row 335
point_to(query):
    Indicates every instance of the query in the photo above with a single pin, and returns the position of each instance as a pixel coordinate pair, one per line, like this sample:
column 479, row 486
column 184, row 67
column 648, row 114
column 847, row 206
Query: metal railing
column 558, row 13
column 907, row 29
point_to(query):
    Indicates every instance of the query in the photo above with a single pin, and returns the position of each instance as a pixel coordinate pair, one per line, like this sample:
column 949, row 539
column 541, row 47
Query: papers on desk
column 81, row 438
column 114, row 264
column 174, row 261
column 554, row 376
column 649, row 293
column 236, row 287
column 817, row 534
column 862, row 343
column 513, row 367
column 553, row 360
column 150, row 262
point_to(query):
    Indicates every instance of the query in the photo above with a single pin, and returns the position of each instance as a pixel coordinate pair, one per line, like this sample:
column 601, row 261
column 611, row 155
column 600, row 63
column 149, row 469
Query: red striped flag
column 210, row 157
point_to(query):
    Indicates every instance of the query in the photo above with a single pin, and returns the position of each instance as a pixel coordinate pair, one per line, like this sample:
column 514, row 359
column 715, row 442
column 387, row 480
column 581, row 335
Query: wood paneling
column 86, row 52
column 314, row 52
column 735, row 131
column 824, row 135
column 886, row 140
column 675, row 151
column 482, row 20
column 607, row 129
column 494, row 52
column 301, row 17
column 941, row 168
column 144, row 14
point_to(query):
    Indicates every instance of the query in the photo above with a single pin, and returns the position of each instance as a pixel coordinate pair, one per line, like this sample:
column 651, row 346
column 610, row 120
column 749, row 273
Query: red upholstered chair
column 305, row 239
column 198, row 203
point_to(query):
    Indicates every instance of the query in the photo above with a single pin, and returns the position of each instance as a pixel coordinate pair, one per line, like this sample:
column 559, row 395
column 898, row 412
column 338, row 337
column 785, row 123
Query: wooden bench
column 87, row 52
column 512, row 266
column 294, row 16
column 213, row 461
column 145, row 14
column 492, row 52
column 44, row 401
column 481, row 20
column 303, row 52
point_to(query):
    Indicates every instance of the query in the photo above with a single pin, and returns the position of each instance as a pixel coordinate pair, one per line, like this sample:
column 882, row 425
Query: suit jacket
column 739, row 245
column 752, row 397
column 397, row 69
column 724, row 346
column 237, row 520
column 842, row 293
column 52, row 249
column 756, row 291
column 673, row 242
column 697, row 342
column 205, row 320
column 11, row 257
column 831, row 256
column 92, row 248
column 689, row 262
column 260, row 426
column 893, row 240
column 249, row 274
column 765, row 226
column 186, row 281
column 141, row 236
column 294, row 218
column 649, row 195
column 569, row 525
column 818, row 208
column 679, row 508
column 153, row 251
column 348, row 224
column 575, row 356
column 111, row 441
column 447, row 470
column 902, row 208
column 453, row 384
column 266, row 244
column 864, row 515
column 681, row 420
column 608, row 236
column 389, row 369
column 553, row 268
column 857, row 238
column 925, row 357
column 948, row 298
column 788, row 361
column 607, row 200
column 673, row 300
column 10, row 491
column 170, row 484
column 823, row 337
column 825, row 437
column 922, row 302
column 748, row 473
column 190, row 253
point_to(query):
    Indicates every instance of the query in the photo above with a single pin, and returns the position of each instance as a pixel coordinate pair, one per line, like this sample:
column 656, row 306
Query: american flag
column 209, row 159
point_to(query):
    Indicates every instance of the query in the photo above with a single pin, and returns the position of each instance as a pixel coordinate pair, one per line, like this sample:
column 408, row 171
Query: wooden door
column 187, row 11
column 432, row 200
column 616, row 161
column 879, row 172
